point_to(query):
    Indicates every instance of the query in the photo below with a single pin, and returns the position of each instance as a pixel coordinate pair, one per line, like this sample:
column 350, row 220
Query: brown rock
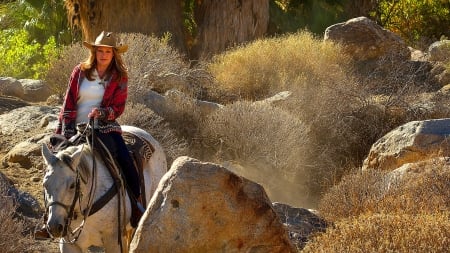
column 411, row 142
column 363, row 39
column 203, row 207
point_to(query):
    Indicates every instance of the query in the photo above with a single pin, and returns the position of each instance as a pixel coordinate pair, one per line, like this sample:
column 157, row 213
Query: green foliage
column 22, row 58
column 293, row 15
column 415, row 20
column 32, row 32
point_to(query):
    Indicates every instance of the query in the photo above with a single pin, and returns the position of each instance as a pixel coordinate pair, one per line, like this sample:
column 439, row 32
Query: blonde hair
column 117, row 64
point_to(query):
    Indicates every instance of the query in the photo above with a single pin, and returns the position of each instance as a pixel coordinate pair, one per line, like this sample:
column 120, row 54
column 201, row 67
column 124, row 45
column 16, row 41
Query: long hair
column 117, row 64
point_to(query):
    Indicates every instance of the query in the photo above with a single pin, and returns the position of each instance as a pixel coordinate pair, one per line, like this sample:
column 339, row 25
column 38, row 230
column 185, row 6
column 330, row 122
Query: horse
column 76, row 179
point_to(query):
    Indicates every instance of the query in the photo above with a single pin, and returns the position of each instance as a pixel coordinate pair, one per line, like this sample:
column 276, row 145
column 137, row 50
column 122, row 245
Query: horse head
column 61, row 186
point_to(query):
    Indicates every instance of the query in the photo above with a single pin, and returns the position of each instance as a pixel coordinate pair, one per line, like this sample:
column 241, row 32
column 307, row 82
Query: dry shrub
column 13, row 236
column 386, row 233
column 264, row 143
column 355, row 194
column 141, row 116
column 57, row 77
column 268, row 66
column 154, row 65
column 425, row 188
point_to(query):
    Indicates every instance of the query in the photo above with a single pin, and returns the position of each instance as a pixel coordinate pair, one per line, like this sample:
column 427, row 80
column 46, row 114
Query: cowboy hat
column 106, row 39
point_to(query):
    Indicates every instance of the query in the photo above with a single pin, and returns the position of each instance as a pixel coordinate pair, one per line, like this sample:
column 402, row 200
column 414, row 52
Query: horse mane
column 66, row 156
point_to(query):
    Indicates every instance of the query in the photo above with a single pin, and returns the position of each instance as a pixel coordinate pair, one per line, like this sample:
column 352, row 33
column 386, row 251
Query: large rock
column 35, row 90
column 24, row 203
column 364, row 40
column 24, row 152
column 28, row 118
column 27, row 89
column 439, row 51
column 11, row 87
column 162, row 105
column 203, row 207
column 411, row 142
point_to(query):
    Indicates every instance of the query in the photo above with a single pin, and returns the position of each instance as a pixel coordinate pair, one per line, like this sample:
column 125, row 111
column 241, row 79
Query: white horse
column 68, row 185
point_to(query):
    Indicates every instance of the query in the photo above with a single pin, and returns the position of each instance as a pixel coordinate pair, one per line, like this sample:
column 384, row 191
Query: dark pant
column 116, row 145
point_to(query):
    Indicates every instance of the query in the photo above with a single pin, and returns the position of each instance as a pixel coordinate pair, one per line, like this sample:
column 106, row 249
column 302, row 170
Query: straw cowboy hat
column 107, row 39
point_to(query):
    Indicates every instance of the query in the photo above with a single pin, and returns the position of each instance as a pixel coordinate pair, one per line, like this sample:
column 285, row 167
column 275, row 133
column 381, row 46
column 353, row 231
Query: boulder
column 411, row 142
column 203, row 207
column 439, row 51
column 35, row 90
column 300, row 222
column 23, row 202
column 28, row 118
column 11, row 87
column 363, row 39
column 162, row 104
column 8, row 103
column 25, row 151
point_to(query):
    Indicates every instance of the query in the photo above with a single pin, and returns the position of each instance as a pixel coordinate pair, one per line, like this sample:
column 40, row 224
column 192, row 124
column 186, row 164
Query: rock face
column 300, row 222
column 439, row 51
column 27, row 118
column 27, row 89
column 364, row 40
column 202, row 207
column 411, row 142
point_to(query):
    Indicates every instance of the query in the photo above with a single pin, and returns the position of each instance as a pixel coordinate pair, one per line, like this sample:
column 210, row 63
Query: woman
column 98, row 89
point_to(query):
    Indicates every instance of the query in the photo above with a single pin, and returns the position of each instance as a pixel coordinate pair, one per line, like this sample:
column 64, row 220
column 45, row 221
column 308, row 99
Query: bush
column 265, row 67
column 13, row 236
column 20, row 57
column 153, row 65
column 426, row 189
column 417, row 22
column 263, row 143
column 386, row 233
column 57, row 77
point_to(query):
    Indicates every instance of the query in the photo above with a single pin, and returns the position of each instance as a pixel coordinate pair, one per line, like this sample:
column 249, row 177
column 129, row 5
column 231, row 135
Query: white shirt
column 90, row 96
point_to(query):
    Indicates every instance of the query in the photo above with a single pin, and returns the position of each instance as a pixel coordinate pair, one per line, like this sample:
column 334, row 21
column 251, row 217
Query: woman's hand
column 95, row 113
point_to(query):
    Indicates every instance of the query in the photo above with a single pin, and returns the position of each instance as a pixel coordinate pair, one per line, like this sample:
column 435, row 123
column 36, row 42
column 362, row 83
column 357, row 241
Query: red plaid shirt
column 112, row 105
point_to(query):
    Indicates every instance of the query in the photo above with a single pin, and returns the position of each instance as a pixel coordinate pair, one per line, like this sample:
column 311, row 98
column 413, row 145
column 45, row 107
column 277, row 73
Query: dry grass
column 14, row 236
column 347, row 107
column 58, row 75
column 266, row 141
column 267, row 66
column 402, row 233
column 424, row 188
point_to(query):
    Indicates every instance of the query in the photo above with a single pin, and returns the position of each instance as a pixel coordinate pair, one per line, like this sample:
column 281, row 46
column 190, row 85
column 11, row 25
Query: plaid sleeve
column 67, row 115
column 117, row 101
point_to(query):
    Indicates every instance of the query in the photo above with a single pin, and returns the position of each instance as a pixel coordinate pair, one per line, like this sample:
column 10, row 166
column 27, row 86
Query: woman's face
column 104, row 56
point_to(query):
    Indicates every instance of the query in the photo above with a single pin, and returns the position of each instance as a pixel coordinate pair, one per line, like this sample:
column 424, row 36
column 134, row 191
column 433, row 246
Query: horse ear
column 76, row 156
column 49, row 157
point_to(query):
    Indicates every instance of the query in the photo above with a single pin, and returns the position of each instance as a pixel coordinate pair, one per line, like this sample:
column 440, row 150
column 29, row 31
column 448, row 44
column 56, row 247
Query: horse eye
column 72, row 185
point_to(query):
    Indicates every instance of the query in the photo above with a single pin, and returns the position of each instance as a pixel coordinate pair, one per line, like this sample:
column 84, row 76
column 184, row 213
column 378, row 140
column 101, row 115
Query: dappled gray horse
column 76, row 180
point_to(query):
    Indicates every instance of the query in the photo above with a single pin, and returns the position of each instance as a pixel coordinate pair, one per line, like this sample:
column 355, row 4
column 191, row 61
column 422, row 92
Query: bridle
column 91, row 208
column 70, row 209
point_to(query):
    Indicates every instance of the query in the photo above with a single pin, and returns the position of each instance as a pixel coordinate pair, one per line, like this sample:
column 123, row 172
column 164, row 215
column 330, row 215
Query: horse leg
column 69, row 248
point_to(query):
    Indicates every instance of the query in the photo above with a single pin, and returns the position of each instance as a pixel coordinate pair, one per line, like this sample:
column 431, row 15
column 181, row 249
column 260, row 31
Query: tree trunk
column 223, row 24
column 139, row 16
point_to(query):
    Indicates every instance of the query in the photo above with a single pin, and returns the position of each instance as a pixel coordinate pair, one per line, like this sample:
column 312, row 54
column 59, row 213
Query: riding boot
column 41, row 233
column 137, row 210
